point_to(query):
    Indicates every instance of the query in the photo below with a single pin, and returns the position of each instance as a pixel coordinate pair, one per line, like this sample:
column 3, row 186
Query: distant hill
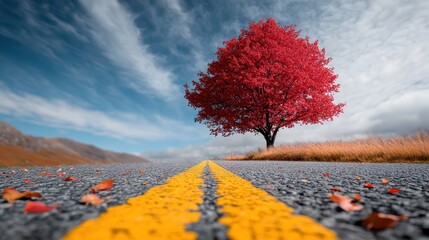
column 18, row 149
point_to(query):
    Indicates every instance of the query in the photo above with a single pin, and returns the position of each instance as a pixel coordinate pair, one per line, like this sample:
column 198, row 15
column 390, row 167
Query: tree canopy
column 266, row 79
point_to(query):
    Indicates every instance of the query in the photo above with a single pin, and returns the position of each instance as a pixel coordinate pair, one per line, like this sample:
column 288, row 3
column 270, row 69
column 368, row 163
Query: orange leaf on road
column 393, row 191
column 38, row 207
column 70, row 179
column 345, row 202
column 381, row 221
column 385, row 180
column 141, row 171
column 27, row 181
column 335, row 190
column 104, row 185
column 358, row 178
column 368, row 185
column 357, row 197
column 45, row 174
column 92, row 199
column 11, row 195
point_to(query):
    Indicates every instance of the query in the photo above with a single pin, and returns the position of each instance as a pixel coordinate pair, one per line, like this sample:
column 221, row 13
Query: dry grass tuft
column 414, row 149
column 235, row 157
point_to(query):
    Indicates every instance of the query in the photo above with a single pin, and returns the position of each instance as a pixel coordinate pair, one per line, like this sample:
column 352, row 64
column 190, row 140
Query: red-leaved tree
column 266, row 79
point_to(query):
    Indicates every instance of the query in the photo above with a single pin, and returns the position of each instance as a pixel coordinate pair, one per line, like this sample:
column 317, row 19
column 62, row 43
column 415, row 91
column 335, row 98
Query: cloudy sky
column 111, row 73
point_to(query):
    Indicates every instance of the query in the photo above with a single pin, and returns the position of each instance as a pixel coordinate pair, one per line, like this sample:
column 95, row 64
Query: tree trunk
column 270, row 139
column 270, row 143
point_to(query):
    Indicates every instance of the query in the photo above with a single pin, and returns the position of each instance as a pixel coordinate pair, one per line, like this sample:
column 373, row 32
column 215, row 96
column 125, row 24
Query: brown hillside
column 17, row 149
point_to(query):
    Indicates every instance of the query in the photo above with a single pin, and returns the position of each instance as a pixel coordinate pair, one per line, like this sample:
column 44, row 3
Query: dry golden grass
column 414, row 149
column 235, row 157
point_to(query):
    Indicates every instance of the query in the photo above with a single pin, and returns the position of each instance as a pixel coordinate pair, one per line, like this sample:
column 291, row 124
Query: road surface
column 217, row 200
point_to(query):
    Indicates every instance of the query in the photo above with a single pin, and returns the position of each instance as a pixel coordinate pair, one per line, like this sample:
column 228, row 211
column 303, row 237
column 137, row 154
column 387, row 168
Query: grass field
column 412, row 149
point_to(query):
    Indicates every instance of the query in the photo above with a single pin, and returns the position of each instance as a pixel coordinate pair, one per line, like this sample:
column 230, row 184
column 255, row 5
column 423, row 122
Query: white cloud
column 182, row 30
column 122, row 42
column 63, row 114
column 215, row 149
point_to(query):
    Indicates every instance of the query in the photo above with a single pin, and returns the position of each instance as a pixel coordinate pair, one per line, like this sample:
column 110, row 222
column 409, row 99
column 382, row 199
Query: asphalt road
column 129, row 182
column 281, row 179
column 284, row 181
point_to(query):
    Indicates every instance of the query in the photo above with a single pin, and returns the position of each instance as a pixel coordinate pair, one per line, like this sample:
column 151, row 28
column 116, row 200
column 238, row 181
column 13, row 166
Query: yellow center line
column 251, row 213
column 161, row 213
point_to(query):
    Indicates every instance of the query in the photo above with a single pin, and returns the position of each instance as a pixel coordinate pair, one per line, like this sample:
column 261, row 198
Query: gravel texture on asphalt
column 281, row 179
column 284, row 181
column 207, row 227
column 129, row 182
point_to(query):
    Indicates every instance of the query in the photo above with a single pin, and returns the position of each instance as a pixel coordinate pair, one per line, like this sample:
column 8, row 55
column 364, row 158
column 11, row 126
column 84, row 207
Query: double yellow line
column 163, row 212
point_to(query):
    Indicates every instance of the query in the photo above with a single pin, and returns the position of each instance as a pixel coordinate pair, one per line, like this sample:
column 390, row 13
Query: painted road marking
column 251, row 213
column 161, row 213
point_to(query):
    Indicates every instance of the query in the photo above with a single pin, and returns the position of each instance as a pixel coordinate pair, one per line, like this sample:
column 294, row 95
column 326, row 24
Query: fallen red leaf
column 61, row 174
column 385, row 180
column 104, row 185
column 38, row 207
column 92, row 199
column 368, row 185
column 345, row 203
column 45, row 174
column 127, row 173
column 141, row 171
column 70, row 179
column 27, row 181
column 393, row 191
column 97, row 170
column 357, row 197
column 381, row 221
column 335, row 190
column 11, row 195
column 326, row 175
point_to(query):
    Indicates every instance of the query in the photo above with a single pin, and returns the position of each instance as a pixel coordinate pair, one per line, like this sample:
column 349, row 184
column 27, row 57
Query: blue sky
column 111, row 73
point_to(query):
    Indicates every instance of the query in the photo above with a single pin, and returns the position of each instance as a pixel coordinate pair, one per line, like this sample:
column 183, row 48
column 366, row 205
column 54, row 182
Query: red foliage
column 381, row 221
column 345, row 203
column 266, row 79
column 393, row 191
column 11, row 195
column 70, row 179
column 38, row 207
column 104, row 185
